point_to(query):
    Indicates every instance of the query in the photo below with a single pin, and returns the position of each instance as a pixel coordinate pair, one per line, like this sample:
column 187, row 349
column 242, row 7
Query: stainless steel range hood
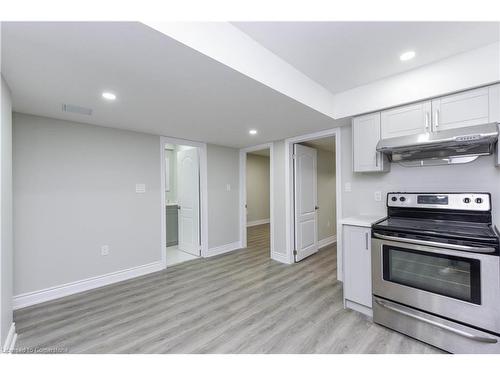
column 461, row 145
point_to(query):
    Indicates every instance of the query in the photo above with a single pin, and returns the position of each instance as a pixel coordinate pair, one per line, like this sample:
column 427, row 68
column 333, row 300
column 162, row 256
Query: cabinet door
column 357, row 265
column 494, row 103
column 365, row 136
column 407, row 120
column 467, row 108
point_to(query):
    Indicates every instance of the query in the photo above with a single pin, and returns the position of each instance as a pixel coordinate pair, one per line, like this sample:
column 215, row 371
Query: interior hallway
column 241, row 302
column 176, row 256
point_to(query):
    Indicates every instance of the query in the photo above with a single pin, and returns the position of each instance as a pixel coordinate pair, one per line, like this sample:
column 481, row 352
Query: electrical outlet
column 348, row 187
column 104, row 250
column 378, row 196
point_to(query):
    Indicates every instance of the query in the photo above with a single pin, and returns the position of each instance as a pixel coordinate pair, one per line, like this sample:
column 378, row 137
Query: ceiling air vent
column 76, row 109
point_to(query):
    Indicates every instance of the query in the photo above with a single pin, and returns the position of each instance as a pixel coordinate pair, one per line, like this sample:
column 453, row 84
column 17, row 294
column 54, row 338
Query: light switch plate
column 140, row 188
column 104, row 250
column 228, row 187
column 348, row 187
column 378, row 196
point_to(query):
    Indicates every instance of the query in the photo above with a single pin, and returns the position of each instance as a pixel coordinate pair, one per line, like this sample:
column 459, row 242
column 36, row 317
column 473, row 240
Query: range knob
column 479, row 200
column 466, row 200
column 402, row 199
column 394, row 199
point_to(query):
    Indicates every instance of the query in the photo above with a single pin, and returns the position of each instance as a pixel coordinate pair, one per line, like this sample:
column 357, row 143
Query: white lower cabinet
column 357, row 268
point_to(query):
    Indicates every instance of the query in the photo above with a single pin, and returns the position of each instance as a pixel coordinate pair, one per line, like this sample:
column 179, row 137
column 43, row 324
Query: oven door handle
column 487, row 340
column 472, row 249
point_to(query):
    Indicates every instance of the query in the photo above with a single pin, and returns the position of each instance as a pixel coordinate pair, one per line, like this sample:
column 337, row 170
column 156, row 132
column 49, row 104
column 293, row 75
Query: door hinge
column 295, row 252
column 294, row 156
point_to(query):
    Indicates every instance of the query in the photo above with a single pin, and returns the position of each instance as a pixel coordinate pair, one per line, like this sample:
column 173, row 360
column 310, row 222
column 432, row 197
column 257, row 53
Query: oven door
column 457, row 285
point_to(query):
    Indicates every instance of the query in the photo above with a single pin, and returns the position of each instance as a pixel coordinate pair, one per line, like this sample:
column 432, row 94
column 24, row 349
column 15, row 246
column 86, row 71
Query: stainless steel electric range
column 436, row 270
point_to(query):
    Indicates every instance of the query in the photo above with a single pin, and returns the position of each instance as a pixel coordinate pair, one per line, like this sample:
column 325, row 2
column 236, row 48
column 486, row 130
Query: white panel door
column 305, row 180
column 463, row 109
column 357, row 265
column 188, row 195
column 407, row 120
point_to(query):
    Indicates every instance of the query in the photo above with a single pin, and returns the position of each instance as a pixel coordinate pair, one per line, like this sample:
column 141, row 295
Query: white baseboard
column 327, row 241
column 224, row 249
column 358, row 307
column 39, row 296
column 258, row 222
column 282, row 258
column 10, row 341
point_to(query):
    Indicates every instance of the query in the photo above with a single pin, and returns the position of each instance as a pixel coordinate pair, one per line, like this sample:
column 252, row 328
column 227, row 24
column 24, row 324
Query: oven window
column 450, row 276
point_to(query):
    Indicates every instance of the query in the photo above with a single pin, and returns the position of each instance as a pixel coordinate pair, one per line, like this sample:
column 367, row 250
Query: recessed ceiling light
column 252, row 132
column 108, row 95
column 408, row 55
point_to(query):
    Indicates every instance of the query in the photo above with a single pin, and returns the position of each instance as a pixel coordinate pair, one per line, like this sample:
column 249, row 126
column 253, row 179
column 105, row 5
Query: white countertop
column 361, row 220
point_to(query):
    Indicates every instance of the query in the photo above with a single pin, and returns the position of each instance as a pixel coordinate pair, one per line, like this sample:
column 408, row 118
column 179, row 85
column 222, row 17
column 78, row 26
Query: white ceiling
column 163, row 87
column 167, row 88
column 343, row 55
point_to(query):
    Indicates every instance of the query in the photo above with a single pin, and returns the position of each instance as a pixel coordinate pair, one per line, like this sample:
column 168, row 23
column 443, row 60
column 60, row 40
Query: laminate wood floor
column 241, row 302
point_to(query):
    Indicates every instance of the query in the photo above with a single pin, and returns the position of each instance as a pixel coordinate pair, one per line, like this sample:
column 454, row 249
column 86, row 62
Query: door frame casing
column 289, row 184
column 243, row 192
column 202, row 152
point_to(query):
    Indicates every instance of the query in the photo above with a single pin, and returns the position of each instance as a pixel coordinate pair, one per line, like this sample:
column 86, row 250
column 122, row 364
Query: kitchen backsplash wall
column 480, row 175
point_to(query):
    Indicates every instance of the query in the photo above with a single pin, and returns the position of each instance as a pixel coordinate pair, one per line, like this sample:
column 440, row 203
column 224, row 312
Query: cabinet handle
column 366, row 240
column 376, row 159
column 436, row 119
column 426, row 120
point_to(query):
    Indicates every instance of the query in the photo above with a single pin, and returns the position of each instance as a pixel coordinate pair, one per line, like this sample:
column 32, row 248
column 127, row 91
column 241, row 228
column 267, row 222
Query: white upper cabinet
column 407, row 120
column 366, row 134
column 467, row 108
column 495, row 103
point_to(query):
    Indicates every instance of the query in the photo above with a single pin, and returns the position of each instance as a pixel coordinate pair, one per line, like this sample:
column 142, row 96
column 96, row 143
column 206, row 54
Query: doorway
column 256, row 196
column 182, row 201
column 313, row 191
column 314, row 196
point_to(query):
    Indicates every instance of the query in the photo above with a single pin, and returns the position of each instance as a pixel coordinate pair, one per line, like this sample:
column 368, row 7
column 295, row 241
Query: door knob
column 316, row 207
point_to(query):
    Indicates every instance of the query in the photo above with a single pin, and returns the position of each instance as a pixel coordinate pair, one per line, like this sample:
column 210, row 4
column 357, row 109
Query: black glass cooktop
column 445, row 228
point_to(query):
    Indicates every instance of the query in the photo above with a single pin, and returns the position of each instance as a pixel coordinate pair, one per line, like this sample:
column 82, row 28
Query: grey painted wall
column 257, row 181
column 480, row 175
column 6, row 242
column 223, row 205
column 327, row 221
column 279, row 222
column 74, row 190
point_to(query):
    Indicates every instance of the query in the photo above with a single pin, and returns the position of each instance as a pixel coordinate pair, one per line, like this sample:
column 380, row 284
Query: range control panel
column 450, row 201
